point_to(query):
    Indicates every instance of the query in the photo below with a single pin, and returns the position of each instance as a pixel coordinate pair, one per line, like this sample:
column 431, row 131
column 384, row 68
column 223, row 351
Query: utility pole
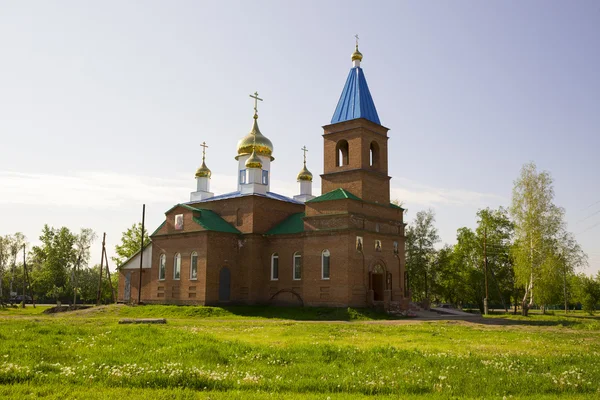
column 485, row 263
column 24, row 275
column 141, row 255
column 75, row 280
column 101, row 265
column 112, row 289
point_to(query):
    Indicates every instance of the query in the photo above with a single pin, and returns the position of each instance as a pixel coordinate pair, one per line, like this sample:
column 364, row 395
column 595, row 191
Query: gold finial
column 357, row 55
column 256, row 99
column 203, row 171
column 304, row 174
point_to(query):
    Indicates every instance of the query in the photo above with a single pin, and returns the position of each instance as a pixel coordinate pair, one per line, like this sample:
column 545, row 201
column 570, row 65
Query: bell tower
column 355, row 143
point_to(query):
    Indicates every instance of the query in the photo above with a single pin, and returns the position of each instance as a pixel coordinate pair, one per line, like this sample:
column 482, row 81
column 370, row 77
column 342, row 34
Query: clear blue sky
column 103, row 105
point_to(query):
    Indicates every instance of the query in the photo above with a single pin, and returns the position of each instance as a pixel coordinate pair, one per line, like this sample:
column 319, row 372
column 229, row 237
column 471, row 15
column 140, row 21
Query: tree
column 587, row 292
column 52, row 260
column 537, row 222
column 421, row 236
column 130, row 244
column 545, row 253
column 83, row 242
column 494, row 236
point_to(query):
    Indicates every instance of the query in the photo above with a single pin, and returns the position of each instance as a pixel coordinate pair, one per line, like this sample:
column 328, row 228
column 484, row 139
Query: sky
column 103, row 105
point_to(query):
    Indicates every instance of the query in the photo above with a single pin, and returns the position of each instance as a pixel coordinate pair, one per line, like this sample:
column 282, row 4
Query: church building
column 254, row 246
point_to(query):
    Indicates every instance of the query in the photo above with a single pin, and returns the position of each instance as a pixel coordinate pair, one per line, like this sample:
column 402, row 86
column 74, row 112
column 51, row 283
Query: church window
column 194, row 266
column 265, row 177
column 162, row 267
column 275, row 267
column 242, row 176
column 239, row 217
column 325, row 259
column 341, row 153
column 297, row 266
column 177, row 267
column 374, row 154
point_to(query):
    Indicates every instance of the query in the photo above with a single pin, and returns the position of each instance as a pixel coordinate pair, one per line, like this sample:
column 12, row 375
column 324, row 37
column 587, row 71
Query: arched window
column 297, row 266
column 239, row 219
column 274, row 267
column 177, row 267
column 194, row 266
column 325, row 260
column 374, row 154
column 341, row 153
column 162, row 267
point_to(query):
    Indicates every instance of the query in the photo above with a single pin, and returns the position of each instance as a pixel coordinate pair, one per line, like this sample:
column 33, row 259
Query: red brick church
column 253, row 246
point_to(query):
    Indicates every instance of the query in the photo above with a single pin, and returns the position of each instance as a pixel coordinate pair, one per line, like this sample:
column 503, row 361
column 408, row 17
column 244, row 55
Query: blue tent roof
column 355, row 101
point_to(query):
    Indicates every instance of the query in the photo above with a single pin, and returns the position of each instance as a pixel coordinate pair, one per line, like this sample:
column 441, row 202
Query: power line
column 588, row 228
column 588, row 217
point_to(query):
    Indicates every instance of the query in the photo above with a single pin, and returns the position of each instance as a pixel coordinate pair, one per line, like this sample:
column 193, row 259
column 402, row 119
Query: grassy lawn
column 282, row 353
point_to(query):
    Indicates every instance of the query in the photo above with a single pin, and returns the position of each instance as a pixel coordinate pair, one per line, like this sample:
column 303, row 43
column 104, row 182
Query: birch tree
column 538, row 222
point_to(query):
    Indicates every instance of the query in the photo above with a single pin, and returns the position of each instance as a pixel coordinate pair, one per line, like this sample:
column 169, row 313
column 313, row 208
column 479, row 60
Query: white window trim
column 163, row 256
column 273, row 257
column 322, row 266
column 175, row 266
column 299, row 255
column 191, row 257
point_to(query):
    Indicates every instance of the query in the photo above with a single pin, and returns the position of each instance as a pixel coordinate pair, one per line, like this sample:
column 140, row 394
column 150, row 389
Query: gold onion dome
column 305, row 175
column 255, row 142
column 253, row 161
column 357, row 55
column 203, row 171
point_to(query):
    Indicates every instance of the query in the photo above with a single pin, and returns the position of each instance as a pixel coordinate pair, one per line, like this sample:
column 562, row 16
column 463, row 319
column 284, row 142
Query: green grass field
column 279, row 353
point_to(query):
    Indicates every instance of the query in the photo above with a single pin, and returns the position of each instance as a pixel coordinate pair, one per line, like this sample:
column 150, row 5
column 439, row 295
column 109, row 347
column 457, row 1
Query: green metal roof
column 182, row 205
column 211, row 221
column 337, row 194
column 157, row 229
column 292, row 224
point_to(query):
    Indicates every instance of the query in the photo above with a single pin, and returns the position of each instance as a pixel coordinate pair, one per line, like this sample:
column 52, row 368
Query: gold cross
column 256, row 98
column 204, row 147
column 304, row 149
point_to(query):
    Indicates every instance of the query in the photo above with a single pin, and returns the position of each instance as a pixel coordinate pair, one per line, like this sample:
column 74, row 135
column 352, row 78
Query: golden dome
column 203, row 171
column 255, row 142
column 357, row 55
column 305, row 175
column 253, row 161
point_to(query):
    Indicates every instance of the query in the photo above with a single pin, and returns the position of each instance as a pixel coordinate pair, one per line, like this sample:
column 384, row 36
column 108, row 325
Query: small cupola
column 202, row 179
column 305, row 178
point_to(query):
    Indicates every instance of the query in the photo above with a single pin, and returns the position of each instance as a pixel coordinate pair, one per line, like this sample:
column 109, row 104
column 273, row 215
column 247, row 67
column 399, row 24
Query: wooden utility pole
column 485, row 269
column 112, row 289
column 101, row 265
column 141, row 255
column 75, row 280
column 24, row 281
column 26, row 273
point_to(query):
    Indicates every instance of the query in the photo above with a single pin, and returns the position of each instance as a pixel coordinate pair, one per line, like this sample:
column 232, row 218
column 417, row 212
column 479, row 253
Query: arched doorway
column 378, row 282
column 224, row 284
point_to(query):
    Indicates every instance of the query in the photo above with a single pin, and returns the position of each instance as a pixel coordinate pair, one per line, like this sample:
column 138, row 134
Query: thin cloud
column 100, row 189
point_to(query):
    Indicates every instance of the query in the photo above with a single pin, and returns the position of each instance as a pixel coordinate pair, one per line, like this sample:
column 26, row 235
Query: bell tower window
column 341, row 153
column 374, row 155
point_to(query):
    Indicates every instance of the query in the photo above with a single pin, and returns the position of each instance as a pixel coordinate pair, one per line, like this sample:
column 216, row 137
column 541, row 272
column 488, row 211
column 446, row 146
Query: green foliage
column 130, row 244
column 52, row 261
column 421, row 237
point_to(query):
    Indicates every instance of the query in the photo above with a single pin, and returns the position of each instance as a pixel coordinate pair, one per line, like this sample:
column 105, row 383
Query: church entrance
column 224, row 284
column 378, row 282
column 127, row 296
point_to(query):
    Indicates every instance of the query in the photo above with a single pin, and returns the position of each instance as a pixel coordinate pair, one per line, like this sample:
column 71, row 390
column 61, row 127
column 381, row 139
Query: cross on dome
column 256, row 99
